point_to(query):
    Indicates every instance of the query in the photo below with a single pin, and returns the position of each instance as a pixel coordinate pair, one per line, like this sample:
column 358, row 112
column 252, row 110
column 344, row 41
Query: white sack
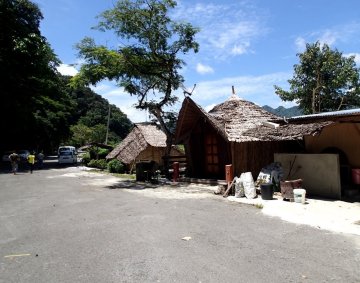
column 239, row 188
column 249, row 185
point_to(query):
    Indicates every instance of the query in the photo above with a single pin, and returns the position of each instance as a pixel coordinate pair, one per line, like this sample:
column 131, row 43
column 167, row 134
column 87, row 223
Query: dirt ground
column 332, row 215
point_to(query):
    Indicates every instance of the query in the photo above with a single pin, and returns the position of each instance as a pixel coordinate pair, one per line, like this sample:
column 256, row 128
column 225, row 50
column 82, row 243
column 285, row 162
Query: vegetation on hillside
column 281, row 111
column 38, row 108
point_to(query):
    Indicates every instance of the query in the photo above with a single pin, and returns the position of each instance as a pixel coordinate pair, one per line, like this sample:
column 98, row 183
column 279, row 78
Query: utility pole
column 107, row 127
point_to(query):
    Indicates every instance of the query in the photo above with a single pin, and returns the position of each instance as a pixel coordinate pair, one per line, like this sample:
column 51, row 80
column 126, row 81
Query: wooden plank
column 228, row 188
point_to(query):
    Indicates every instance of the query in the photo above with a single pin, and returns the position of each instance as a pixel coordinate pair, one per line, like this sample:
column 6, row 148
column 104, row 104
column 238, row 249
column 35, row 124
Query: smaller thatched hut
column 146, row 142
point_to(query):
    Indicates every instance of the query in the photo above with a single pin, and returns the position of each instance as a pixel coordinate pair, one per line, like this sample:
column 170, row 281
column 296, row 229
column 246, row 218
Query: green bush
column 97, row 163
column 115, row 166
column 86, row 158
column 103, row 152
column 98, row 153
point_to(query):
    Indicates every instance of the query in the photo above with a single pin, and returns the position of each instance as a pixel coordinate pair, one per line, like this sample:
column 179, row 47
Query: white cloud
column 257, row 89
column 240, row 49
column 332, row 36
column 300, row 44
column 356, row 55
column 329, row 37
column 67, row 70
column 225, row 30
column 204, row 69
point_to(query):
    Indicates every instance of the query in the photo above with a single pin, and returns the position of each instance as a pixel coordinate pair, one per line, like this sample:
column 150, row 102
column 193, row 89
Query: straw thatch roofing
column 142, row 136
column 230, row 119
column 287, row 131
column 237, row 116
column 238, row 120
column 189, row 115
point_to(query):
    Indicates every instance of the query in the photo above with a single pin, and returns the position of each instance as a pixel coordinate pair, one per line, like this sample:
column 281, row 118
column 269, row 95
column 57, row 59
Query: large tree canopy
column 147, row 62
column 324, row 80
column 35, row 108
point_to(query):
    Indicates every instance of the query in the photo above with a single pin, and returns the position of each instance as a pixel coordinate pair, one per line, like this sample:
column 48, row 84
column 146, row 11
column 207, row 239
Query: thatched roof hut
column 230, row 133
column 146, row 141
column 142, row 136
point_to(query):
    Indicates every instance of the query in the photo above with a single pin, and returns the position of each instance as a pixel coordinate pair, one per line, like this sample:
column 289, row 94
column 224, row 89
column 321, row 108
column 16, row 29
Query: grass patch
column 124, row 176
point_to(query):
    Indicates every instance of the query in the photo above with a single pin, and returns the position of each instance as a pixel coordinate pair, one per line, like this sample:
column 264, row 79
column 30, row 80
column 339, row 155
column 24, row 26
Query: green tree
column 81, row 135
column 93, row 109
column 98, row 133
column 34, row 103
column 324, row 80
column 147, row 63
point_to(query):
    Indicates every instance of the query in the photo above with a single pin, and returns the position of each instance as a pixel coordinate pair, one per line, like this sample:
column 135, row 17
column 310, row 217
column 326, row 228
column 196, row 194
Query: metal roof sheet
column 348, row 112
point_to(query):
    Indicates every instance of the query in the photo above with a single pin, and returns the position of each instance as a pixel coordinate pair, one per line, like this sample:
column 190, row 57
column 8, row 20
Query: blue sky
column 249, row 44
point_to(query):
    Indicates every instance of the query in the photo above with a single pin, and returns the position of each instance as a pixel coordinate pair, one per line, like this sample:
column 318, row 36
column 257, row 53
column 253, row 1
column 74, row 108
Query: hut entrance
column 211, row 155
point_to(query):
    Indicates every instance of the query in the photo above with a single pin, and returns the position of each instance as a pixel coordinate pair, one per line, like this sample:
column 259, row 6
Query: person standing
column 14, row 160
column 31, row 161
column 40, row 159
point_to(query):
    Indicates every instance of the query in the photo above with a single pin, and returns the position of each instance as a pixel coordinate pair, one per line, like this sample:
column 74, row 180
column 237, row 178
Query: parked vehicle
column 5, row 157
column 23, row 154
column 67, row 157
column 66, row 148
column 67, row 154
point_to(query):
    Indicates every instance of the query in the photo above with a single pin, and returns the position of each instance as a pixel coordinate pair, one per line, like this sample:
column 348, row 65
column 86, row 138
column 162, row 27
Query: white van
column 67, row 154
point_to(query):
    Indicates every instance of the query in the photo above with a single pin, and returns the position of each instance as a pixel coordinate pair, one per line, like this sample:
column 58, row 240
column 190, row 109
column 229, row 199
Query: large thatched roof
column 230, row 119
column 142, row 136
column 237, row 116
column 238, row 120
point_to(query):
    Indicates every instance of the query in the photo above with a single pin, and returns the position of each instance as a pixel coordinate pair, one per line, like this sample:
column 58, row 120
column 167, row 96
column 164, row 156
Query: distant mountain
column 284, row 112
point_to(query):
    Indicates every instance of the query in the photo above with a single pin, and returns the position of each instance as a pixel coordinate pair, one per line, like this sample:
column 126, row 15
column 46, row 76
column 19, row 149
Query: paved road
column 64, row 225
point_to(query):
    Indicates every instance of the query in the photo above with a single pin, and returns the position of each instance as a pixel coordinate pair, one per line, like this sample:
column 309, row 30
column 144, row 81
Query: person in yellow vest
column 31, row 161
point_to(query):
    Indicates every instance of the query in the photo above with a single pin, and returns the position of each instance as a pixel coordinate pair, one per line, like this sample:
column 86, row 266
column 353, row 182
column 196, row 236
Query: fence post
column 229, row 173
column 176, row 171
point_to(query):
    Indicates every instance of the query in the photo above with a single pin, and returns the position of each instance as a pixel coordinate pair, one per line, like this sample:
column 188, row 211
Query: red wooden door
column 211, row 155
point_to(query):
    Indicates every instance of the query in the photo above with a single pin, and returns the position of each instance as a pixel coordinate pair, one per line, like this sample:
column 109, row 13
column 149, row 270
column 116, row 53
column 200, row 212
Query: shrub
column 115, row 166
column 103, row 152
column 98, row 153
column 86, row 158
column 97, row 163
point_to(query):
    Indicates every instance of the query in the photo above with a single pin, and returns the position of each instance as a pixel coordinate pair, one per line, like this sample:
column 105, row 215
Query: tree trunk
column 169, row 139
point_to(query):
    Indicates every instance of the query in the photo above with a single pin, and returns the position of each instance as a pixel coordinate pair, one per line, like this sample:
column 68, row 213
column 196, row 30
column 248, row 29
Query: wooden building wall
column 253, row 156
column 196, row 148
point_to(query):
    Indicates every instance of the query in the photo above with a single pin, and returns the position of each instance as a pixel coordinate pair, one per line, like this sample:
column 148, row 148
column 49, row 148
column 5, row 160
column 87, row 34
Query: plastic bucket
column 299, row 195
column 356, row 176
column 266, row 191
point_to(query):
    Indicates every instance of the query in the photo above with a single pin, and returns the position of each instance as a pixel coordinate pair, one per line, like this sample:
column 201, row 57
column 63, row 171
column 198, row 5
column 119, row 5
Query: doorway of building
column 211, row 155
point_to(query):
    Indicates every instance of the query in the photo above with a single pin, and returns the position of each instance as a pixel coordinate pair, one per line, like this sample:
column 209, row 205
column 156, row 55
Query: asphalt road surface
column 68, row 225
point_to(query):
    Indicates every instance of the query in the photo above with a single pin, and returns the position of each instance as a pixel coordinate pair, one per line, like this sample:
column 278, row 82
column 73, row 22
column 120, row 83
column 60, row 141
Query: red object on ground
column 176, row 171
column 229, row 173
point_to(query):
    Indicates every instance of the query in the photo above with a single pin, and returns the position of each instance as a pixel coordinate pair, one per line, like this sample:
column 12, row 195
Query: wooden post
column 229, row 175
column 176, row 171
